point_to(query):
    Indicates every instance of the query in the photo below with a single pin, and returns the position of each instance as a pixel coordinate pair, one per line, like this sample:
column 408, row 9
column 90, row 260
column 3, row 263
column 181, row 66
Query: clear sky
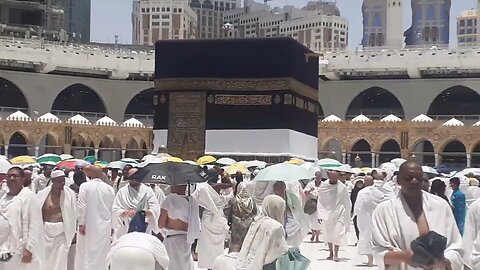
column 111, row 17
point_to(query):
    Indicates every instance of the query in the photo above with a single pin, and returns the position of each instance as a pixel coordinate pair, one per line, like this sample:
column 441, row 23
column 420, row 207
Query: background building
column 159, row 20
column 430, row 22
column 77, row 18
column 374, row 23
column 318, row 25
column 210, row 16
column 467, row 24
column 30, row 18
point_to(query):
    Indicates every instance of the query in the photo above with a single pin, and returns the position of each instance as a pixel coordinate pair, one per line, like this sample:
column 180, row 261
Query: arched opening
column 81, row 148
column 78, row 99
column 375, row 103
column 361, row 154
column 17, row 146
column 454, row 155
column 109, row 150
column 331, row 149
column 134, row 150
column 459, row 101
column 424, row 153
column 476, row 156
column 389, row 150
column 141, row 106
column 11, row 98
column 48, row 144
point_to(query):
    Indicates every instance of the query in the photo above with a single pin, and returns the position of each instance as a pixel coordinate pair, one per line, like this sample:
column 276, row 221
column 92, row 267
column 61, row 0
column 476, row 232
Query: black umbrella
column 170, row 173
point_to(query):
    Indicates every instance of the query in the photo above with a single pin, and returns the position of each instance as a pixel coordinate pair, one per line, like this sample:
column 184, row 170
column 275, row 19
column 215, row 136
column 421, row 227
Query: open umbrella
column 102, row 164
column 328, row 163
column 116, row 165
column 170, row 173
column 226, row 161
column 398, row 161
column 256, row 163
column 4, row 165
column 66, row 156
column 48, row 158
column 163, row 155
column 23, row 160
column 206, row 160
column 237, row 167
column 284, row 172
column 296, row 161
column 429, row 170
column 129, row 160
column 72, row 163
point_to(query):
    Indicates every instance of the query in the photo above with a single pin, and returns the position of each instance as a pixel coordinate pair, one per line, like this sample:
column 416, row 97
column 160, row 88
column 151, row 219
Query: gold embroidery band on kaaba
column 263, row 84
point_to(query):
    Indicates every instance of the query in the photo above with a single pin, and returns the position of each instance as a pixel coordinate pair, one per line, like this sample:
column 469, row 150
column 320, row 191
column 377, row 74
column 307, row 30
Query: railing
column 64, row 115
column 6, row 111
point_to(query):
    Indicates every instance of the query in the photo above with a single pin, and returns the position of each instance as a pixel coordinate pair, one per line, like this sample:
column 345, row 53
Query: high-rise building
column 162, row 19
column 430, row 22
column 77, row 18
column 374, row 23
column 210, row 16
column 467, row 27
column 317, row 26
column 31, row 18
column 382, row 23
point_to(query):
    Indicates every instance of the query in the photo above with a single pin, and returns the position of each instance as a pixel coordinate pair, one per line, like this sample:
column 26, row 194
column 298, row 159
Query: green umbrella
column 284, row 172
column 90, row 159
column 328, row 163
column 49, row 158
column 129, row 160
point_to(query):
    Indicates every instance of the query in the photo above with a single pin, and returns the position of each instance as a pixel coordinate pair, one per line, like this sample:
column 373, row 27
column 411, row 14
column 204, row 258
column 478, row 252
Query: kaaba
column 236, row 97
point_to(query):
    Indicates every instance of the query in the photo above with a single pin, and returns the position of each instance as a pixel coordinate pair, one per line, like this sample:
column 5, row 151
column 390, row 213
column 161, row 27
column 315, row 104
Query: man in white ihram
column 471, row 236
column 95, row 200
column 21, row 230
column 128, row 200
column 333, row 208
column 59, row 213
column 367, row 200
column 410, row 214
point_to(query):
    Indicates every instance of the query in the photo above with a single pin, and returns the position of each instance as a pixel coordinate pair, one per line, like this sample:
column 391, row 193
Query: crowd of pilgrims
column 82, row 220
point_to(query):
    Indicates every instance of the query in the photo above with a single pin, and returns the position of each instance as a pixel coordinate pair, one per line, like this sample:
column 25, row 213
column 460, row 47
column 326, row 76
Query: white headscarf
column 273, row 206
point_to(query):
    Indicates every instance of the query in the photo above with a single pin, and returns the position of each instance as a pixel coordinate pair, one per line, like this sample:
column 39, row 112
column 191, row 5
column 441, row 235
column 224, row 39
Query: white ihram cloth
column 313, row 218
column 394, row 228
column 471, row 236
column 95, row 200
column 261, row 190
column 214, row 227
column 367, row 200
column 128, row 198
column 142, row 241
column 40, row 182
column 159, row 194
column 24, row 215
column 178, row 243
column 334, row 208
column 59, row 236
column 265, row 240
column 472, row 194
column 296, row 226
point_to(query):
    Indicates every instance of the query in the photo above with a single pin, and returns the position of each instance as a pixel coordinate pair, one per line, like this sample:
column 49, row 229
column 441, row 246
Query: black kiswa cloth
column 428, row 247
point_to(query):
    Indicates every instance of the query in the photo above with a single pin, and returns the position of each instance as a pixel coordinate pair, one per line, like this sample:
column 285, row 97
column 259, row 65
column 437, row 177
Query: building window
column 165, row 23
column 148, row 10
column 175, row 10
column 155, row 23
column 470, row 23
column 163, row 9
column 168, row 9
column 462, row 23
column 165, row 16
column 155, row 17
column 143, row 10
column 180, row 10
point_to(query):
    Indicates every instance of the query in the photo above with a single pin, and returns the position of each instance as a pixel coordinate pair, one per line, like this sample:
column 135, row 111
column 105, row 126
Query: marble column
column 349, row 158
column 377, row 160
column 374, row 157
column 123, row 153
column 37, row 149
column 6, row 150
column 344, row 158
column 96, row 153
column 469, row 160
column 437, row 159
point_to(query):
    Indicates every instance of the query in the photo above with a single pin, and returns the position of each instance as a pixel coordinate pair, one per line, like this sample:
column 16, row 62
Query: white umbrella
column 116, row 165
column 191, row 162
column 66, row 156
column 129, row 160
column 328, row 163
column 254, row 163
column 163, row 155
column 4, row 165
column 226, row 161
column 398, row 161
column 388, row 167
column 284, row 172
column 148, row 157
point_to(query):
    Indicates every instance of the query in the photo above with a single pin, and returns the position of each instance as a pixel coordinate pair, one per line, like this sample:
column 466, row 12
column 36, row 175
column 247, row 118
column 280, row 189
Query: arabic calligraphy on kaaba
column 243, row 99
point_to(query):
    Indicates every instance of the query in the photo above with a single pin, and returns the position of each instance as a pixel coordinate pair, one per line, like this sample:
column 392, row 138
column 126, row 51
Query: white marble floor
column 318, row 252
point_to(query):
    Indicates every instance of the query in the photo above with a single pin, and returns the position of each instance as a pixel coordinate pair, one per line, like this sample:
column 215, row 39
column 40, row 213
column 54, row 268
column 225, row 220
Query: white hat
column 57, row 173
